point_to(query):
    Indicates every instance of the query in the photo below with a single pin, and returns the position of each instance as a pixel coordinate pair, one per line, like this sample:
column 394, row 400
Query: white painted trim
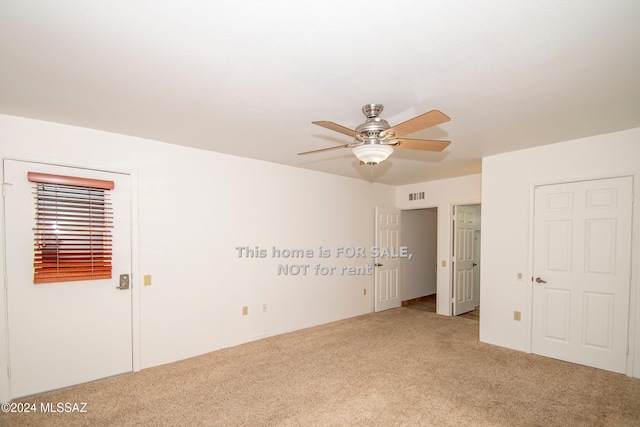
column 66, row 161
column 5, row 390
column 136, row 275
column 444, row 292
column 529, row 273
column 633, row 356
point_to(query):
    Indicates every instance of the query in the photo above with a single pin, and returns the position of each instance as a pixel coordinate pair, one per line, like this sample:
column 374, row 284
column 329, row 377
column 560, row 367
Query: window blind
column 72, row 235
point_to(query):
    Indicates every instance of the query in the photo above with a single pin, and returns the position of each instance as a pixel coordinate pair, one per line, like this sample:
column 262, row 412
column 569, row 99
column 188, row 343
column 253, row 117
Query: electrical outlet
column 245, row 310
column 517, row 315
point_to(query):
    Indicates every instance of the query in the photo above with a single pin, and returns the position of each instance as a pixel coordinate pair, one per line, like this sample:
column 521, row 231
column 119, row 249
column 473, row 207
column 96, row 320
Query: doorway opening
column 419, row 278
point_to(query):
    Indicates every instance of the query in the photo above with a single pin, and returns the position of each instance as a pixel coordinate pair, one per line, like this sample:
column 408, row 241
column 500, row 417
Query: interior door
column 477, row 244
column 465, row 225
column 387, row 268
column 582, row 271
column 64, row 333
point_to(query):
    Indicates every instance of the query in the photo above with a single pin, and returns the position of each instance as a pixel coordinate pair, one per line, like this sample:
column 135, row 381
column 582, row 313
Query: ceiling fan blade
column 421, row 144
column 423, row 121
column 324, row 149
column 336, row 127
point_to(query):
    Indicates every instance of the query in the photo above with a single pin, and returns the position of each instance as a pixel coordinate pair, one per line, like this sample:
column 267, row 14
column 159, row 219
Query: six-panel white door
column 387, row 269
column 465, row 225
column 582, row 267
column 66, row 333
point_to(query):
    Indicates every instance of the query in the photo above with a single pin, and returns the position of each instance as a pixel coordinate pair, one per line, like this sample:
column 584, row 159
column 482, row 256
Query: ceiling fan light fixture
column 375, row 140
column 372, row 154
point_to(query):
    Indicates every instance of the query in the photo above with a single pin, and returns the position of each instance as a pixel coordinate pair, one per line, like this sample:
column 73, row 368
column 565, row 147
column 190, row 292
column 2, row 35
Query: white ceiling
column 247, row 77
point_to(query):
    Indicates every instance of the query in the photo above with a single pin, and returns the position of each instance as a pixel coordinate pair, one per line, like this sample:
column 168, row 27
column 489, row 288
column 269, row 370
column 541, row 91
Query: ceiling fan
column 375, row 139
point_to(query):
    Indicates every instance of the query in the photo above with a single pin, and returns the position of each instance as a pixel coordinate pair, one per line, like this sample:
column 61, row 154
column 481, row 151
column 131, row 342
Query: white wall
column 507, row 185
column 193, row 209
column 442, row 194
column 419, row 234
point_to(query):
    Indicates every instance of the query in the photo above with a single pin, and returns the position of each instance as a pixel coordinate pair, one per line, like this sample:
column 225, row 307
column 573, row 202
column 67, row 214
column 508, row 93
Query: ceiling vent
column 416, row 196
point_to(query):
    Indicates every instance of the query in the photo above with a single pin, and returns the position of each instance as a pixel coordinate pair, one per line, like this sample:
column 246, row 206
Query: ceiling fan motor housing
column 369, row 131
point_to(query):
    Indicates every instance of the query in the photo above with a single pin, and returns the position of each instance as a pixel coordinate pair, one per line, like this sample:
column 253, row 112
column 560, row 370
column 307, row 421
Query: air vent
column 416, row 196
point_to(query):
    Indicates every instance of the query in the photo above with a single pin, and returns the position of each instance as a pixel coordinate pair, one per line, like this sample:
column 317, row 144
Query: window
column 72, row 235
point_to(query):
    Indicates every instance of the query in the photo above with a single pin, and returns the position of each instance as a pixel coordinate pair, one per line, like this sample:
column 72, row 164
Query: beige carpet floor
column 401, row 367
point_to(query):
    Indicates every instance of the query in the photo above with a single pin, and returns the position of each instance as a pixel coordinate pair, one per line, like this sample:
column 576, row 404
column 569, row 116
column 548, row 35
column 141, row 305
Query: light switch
column 444, row 262
column 147, row 280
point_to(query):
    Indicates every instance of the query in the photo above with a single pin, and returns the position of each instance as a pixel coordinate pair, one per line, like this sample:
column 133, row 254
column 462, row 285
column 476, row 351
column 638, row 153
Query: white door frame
column 633, row 356
column 444, row 276
column 402, row 243
column 5, row 391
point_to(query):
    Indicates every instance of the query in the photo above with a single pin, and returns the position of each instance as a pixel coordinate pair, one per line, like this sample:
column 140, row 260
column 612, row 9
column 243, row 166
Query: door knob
column 539, row 280
column 474, row 264
column 377, row 265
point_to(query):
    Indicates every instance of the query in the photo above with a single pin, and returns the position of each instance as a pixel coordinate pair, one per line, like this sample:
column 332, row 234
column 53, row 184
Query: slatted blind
column 72, row 236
